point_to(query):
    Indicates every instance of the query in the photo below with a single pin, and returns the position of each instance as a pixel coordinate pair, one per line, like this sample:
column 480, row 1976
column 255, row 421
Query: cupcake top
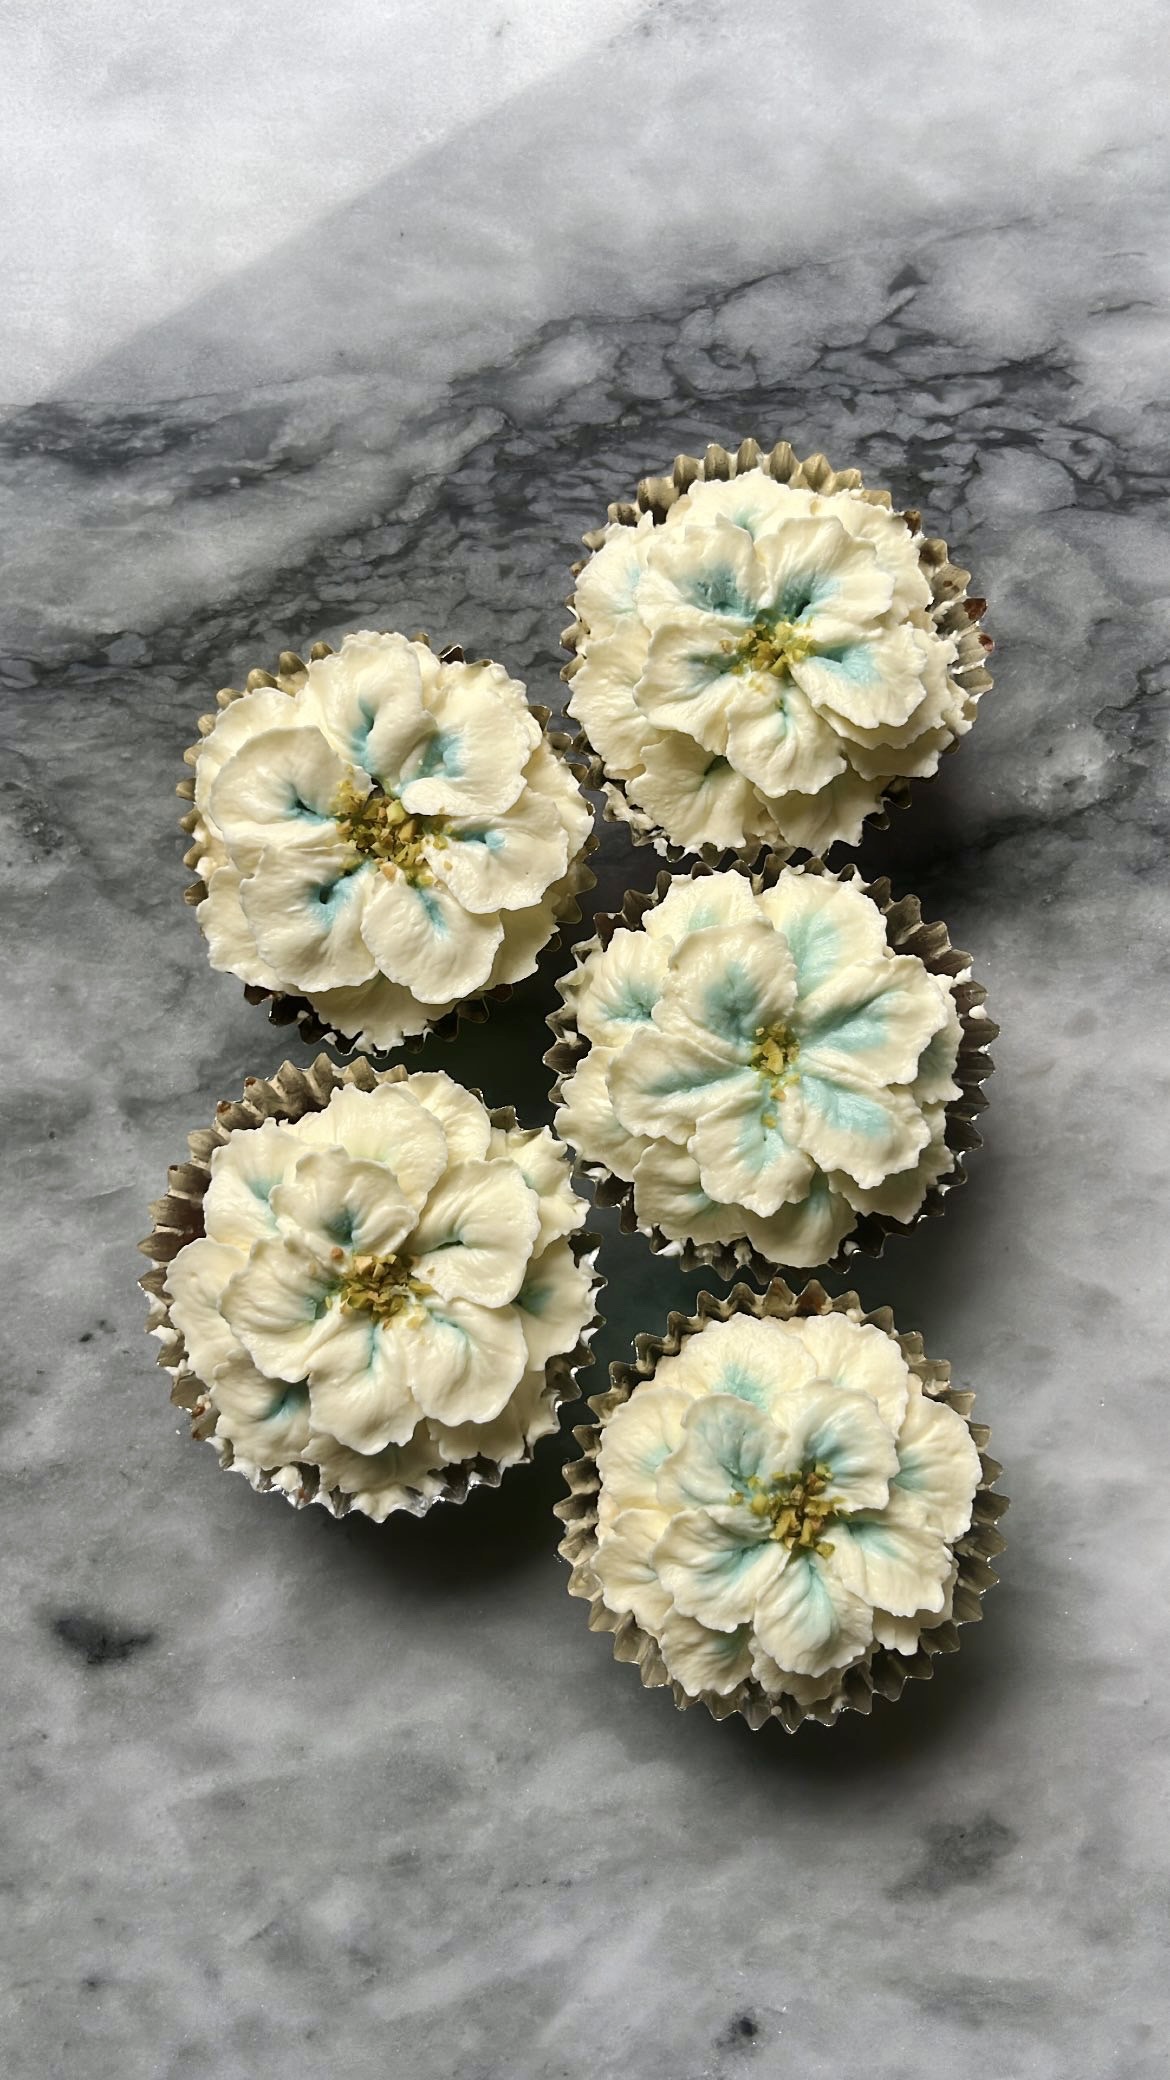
column 380, row 1286
column 760, row 666
column 388, row 837
column 778, row 1499
column 762, row 1065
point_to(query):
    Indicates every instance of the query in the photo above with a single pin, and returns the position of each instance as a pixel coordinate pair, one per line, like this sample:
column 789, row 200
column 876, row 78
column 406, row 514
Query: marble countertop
column 368, row 336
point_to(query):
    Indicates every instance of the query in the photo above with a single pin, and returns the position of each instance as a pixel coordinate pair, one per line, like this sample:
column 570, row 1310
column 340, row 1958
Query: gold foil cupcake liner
column 885, row 1671
column 178, row 1219
column 953, row 611
column 906, row 932
column 286, row 1007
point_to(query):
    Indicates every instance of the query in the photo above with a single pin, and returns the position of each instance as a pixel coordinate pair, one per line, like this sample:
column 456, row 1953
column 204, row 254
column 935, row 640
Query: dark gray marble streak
column 288, row 1797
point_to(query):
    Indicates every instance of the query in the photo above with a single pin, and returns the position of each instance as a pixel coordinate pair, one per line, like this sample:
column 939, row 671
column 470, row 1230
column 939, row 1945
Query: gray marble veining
column 287, row 1797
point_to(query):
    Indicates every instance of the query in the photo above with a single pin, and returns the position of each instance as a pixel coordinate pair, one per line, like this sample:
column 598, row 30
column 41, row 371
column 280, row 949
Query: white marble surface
column 345, row 316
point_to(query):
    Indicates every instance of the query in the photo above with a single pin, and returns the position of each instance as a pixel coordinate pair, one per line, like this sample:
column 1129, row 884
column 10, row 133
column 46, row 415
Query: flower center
column 798, row 1505
column 772, row 646
column 378, row 827
column 775, row 1053
column 381, row 1286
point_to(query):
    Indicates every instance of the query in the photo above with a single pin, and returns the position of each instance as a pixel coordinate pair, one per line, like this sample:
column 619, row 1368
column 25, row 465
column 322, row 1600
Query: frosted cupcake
column 770, row 1069
column 371, row 1291
column 782, row 1509
column 380, row 836
column 764, row 650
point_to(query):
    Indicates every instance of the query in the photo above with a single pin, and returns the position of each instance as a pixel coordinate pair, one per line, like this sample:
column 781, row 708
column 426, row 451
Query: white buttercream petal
column 306, row 915
column 705, row 574
column 616, row 990
column 832, row 816
column 423, row 937
column 548, row 774
column 544, row 1164
column 608, row 583
column 831, row 927
column 669, row 1194
column 712, row 1575
column 366, row 698
column 389, row 1125
column 808, row 1621
column 586, row 1119
column 475, row 1234
column 687, row 683
column 505, row 861
column 891, row 1557
column 555, row 1302
column 281, row 788
column 938, row 1465
column 474, row 763
column 843, row 1429
column 251, row 716
column 624, row 1567
column 746, row 1145
column 703, row 1660
column 462, row 1116
column 874, row 679
column 244, row 1173
column 635, row 1442
column 809, row 1231
column 265, row 1420
column 660, row 1082
column 379, row 1482
column 377, row 1015
column 857, row 1356
column 602, row 698
column 280, row 1305
column 733, row 983
column 901, row 1196
column 231, row 943
column 878, row 1019
column 755, row 1361
column 361, row 1377
column 342, row 1205
column 779, row 742
column 195, row 1283
column 470, row 1360
column 934, row 1078
column 854, row 1124
column 698, row 904
column 696, row 796
column 727, row 1443
column 819, row 575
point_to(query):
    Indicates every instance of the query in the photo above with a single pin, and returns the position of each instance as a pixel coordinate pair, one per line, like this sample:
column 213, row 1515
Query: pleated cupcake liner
column 177, row 1219
column 907, row 932
column 884, row 1671
column 953, row 611
column 287, row 1007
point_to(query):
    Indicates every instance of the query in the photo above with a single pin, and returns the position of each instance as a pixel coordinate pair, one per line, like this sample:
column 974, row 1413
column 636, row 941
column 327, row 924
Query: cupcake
column 783, row 1508
column 763, row 651
column 777, row 1068
column 371, row 1292
column 380, row 836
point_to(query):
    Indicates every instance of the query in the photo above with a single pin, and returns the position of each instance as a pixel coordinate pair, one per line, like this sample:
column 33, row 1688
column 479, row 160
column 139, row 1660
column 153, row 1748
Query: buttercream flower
column 379, row 1289
column 764, row 664
column 383, row 833
column 781, row 1501
column 761, row 1065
